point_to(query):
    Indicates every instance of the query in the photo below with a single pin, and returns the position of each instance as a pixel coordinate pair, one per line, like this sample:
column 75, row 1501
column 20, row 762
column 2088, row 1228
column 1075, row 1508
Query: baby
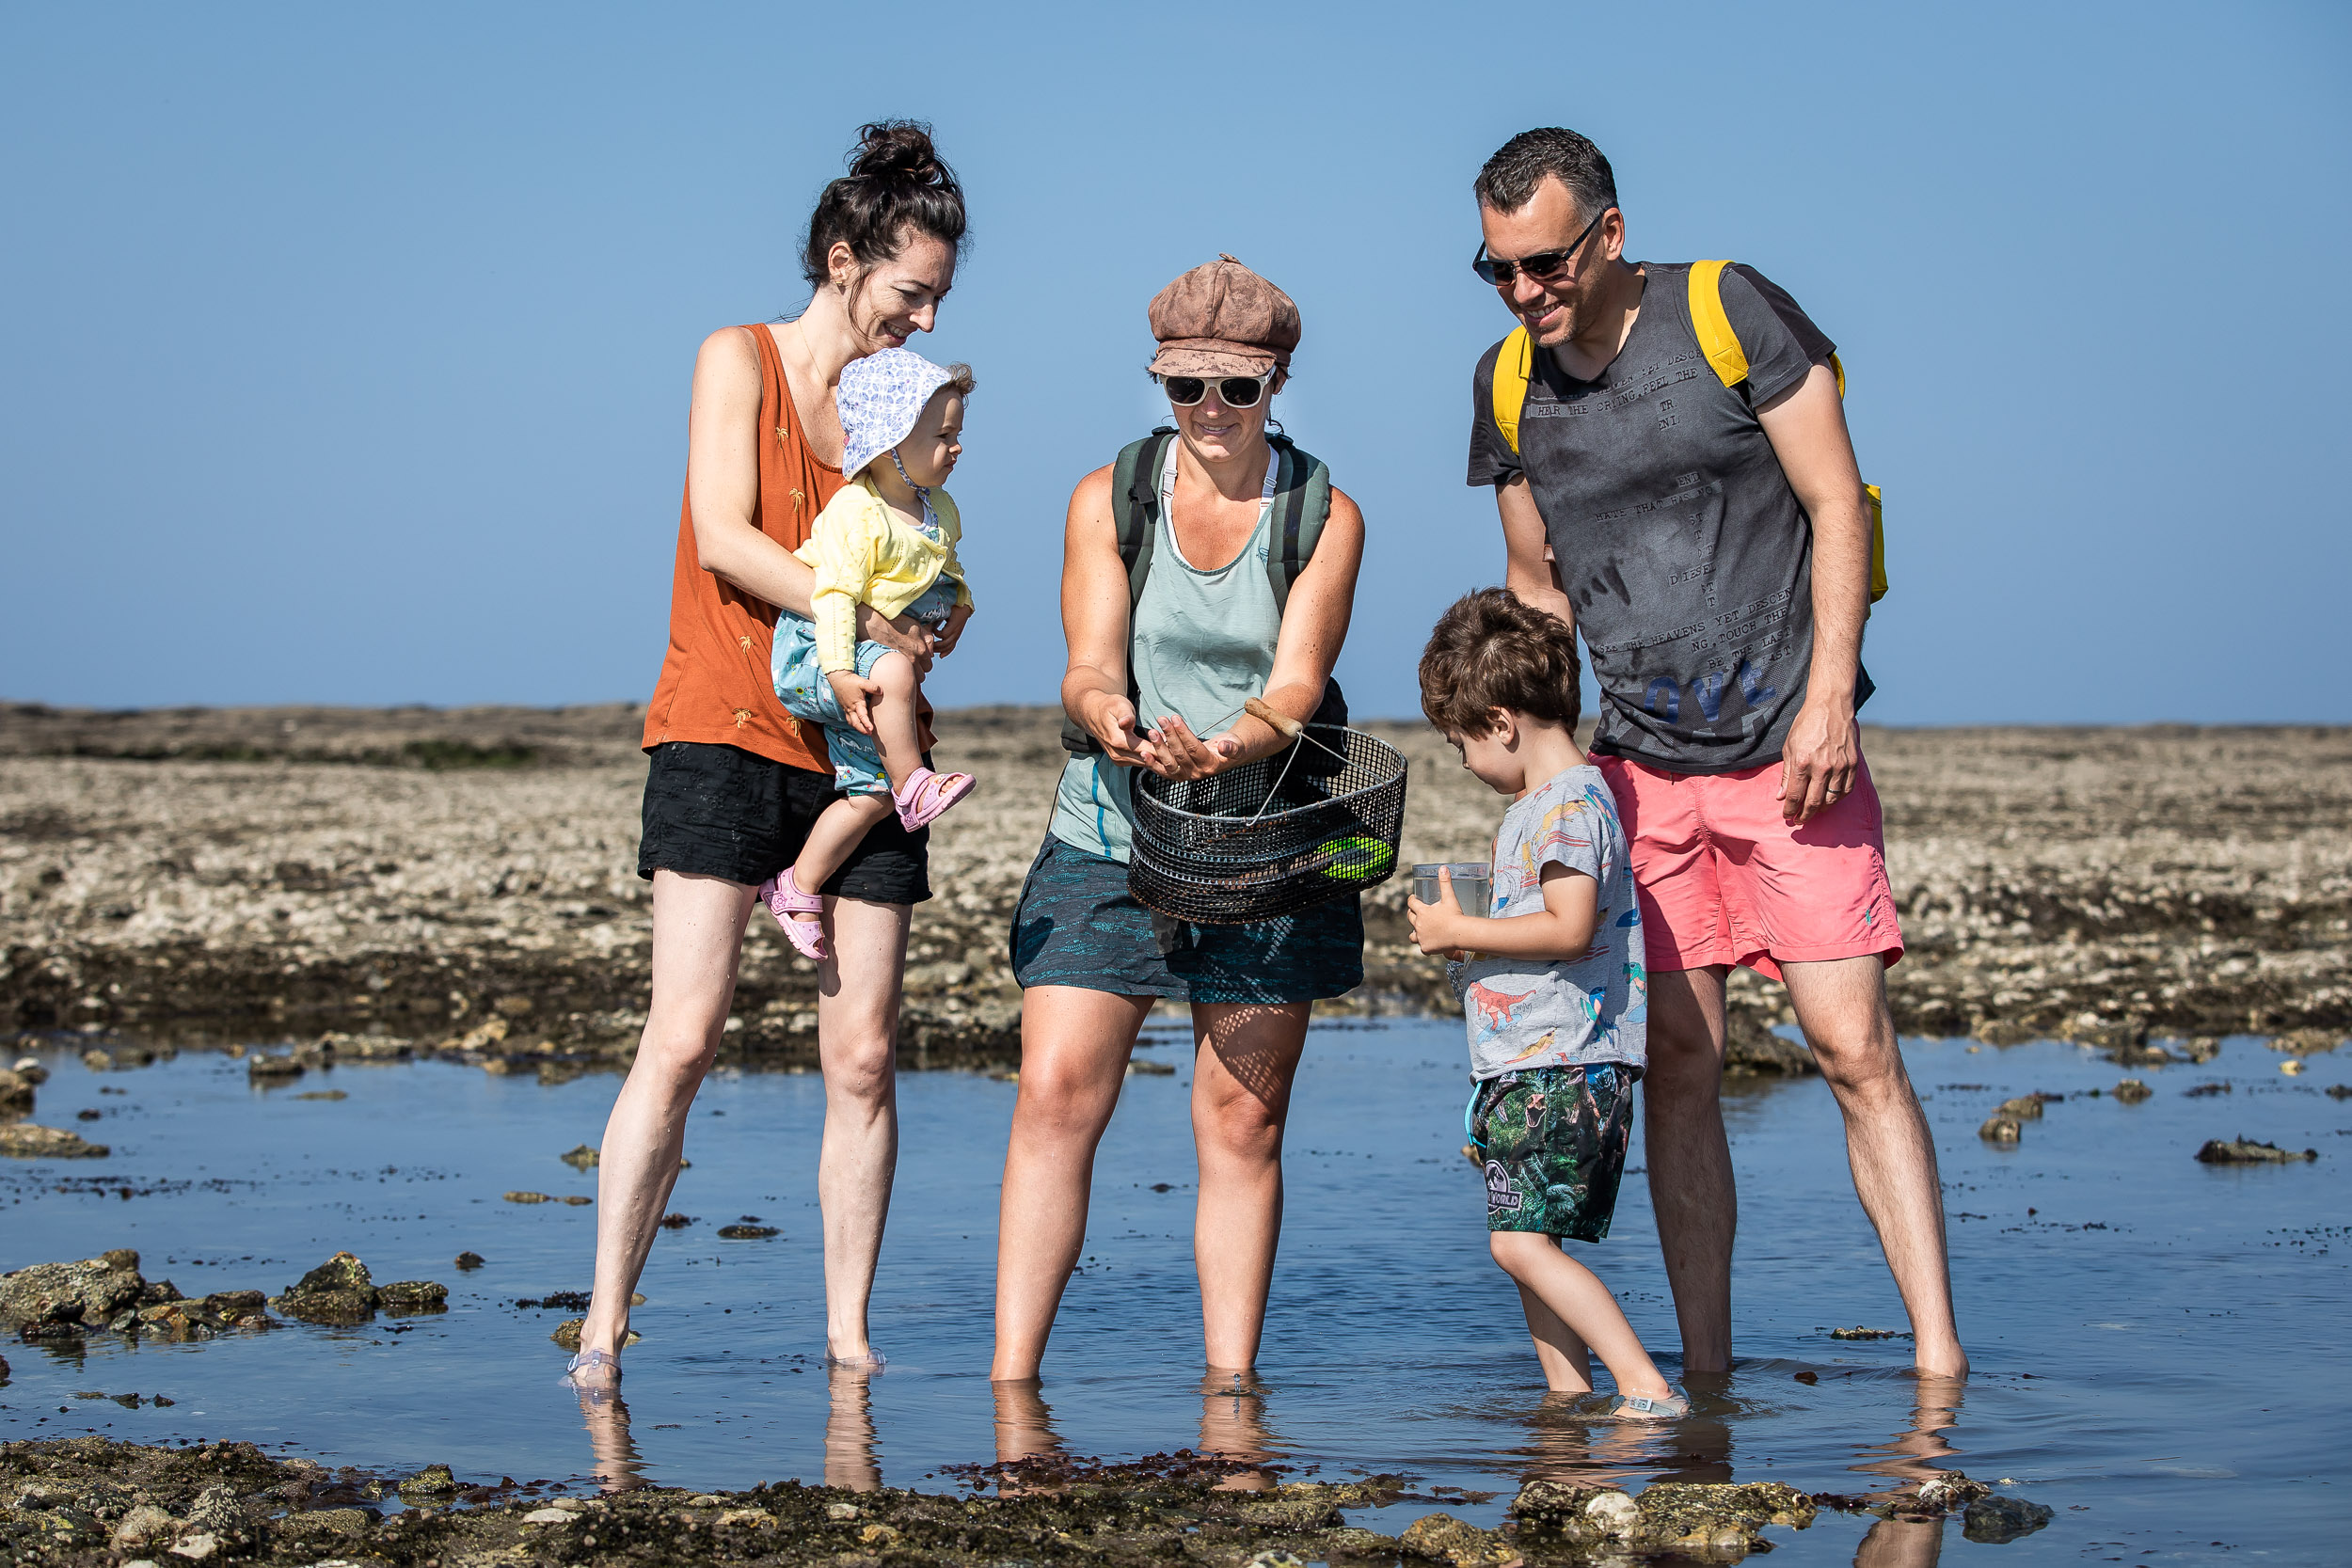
column 887, row 539
column 1557, row 998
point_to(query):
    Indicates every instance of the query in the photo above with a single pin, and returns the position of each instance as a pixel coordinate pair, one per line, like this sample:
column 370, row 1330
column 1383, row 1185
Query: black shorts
column 719, row 810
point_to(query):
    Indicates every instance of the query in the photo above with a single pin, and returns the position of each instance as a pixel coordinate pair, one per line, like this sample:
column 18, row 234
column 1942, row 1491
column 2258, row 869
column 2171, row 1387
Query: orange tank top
column 715, row 685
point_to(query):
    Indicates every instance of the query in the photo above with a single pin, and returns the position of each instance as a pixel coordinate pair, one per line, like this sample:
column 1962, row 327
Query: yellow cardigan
column 864, row 553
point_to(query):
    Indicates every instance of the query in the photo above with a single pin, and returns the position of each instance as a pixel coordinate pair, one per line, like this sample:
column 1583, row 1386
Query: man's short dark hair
column 1509, row 179
column 1494, row 650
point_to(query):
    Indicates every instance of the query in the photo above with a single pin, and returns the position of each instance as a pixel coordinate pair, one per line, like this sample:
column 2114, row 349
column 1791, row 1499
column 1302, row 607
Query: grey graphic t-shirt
column 1686, row 555
column 1521, row 1013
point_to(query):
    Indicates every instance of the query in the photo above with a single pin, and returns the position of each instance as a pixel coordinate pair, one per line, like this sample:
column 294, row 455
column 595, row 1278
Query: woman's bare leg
column 857, row 1034
column 697, row 939
column 840, row 828
column 1074, row 1045
column 1245, row 1057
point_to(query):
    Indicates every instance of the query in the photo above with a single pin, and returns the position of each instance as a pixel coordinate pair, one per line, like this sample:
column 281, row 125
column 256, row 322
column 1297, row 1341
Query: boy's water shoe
column 784, row 899
column 927, row 795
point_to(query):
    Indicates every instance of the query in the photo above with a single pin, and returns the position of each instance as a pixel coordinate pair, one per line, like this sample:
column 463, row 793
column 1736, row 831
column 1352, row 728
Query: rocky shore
column 348, row 884
column 89, row 1500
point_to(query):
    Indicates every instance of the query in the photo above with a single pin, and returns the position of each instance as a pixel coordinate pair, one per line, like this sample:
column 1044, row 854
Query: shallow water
column 2160, row 1346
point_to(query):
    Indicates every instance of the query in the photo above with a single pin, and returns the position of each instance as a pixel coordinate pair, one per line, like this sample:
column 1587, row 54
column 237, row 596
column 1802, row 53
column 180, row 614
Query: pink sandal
column 784, row 899
column 928, row 795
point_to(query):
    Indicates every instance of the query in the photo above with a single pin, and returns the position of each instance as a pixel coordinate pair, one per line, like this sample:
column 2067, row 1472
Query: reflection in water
column 618, row 1465
column 1025, row 1422
column 1912, row 1543
column 851, row 1460
column 1570, row 1440
column 1233, row 1426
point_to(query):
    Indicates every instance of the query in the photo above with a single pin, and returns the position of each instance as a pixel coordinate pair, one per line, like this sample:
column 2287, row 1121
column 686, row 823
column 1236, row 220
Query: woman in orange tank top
column 735, row 783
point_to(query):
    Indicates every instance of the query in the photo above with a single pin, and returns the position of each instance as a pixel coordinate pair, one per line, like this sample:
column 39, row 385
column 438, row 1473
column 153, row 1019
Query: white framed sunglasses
column 1234, row 392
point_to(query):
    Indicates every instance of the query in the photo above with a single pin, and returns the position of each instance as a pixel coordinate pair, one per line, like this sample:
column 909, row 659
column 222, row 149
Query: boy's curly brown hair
column 1490, row 650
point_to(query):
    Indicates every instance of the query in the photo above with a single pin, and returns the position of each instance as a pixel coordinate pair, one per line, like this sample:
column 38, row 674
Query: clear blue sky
column 346, row 353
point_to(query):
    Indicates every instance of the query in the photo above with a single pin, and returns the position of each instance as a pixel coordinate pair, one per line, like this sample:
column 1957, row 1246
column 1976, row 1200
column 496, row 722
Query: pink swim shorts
column 1725, row 879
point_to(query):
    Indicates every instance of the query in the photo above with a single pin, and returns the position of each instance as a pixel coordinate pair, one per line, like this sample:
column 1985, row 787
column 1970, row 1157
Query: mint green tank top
column 1202, row 642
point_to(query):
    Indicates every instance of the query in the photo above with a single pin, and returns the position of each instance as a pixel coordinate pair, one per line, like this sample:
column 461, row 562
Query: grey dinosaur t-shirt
column 1687, row 556
column 1521, row 1013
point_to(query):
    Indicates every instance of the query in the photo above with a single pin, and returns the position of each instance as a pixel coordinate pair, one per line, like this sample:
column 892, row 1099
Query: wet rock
column 75, row 1295
column 1554, row 1511
column 747, row 1232
column 2305, row 1042
column 433, row 1480
column 98, row 1061
column 2245, row 1151
column 3, row 1371
column 337, row 1291
column 2340, row 1091
column 196, row 1546
column 582, row 1158
column 1951, row 1490
column 341, row 1521
column 2026, row 1107
column 1998, row 1129
column 1446, row 1539
column 16, row 1091
column 1996, row 1521
column 277, row 1068
column 324, row 1094
column 29, row 1070
column 469, row 1260
column 216, row 1509
column 1719, row 1516
column 1145, row 1066
column 676, row 1222
column 2202, row 1049
column 1859, row 1333
column 1275, row 1557
column 412, row 1295
column 23, row 1141
column 567, row 1334
column 2131, row 1091
column 142, row 1524
column 529, row 1197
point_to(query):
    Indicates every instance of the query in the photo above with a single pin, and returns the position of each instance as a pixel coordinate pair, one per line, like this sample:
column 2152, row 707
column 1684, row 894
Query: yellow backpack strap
column 1716, row 338
column 1514, row 363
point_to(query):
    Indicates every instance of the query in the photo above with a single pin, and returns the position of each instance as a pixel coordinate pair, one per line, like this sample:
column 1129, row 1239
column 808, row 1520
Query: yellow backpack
column 1516, row 364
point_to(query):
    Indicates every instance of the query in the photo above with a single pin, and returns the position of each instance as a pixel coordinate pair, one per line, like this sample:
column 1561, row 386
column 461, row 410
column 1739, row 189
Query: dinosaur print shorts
column 1552, row 1141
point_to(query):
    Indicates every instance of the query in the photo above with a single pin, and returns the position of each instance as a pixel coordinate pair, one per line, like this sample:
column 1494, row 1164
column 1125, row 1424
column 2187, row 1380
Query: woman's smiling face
column 898, row 297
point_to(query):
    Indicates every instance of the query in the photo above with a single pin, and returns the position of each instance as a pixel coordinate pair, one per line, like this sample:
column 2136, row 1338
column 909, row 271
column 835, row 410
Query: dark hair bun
column 899, row 151
column 897, row 182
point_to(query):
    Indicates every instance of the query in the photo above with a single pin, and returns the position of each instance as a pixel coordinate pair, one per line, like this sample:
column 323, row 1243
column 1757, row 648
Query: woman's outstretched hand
column 854, row 693
column 1112, row 723
column 1173, row 752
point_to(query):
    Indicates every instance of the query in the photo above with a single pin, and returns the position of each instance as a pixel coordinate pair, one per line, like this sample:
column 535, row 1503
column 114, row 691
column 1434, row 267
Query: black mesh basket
column 1315, row 822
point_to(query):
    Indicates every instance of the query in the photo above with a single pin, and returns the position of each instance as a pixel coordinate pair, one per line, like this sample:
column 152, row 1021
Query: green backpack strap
column 1302, row 505
column 1135, row 510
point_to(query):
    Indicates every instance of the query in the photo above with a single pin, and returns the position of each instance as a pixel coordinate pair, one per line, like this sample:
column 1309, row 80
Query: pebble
column 1999, row 1128
column 2131, row 1091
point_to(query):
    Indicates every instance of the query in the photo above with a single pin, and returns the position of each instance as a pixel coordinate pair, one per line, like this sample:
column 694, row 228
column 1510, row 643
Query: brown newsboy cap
column 1222, row 319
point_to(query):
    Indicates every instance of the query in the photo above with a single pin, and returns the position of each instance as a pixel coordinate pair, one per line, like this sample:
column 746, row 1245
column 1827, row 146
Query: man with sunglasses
column 1711, row 540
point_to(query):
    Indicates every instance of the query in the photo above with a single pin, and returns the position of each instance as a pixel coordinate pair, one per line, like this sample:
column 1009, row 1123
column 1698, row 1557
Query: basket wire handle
column 1289, row 729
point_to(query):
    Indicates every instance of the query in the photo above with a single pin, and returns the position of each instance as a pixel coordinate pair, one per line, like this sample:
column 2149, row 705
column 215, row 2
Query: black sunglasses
column 1234, row 392
column 1544, row 267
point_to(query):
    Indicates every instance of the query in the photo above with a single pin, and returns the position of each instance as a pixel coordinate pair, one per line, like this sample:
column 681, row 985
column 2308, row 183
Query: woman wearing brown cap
column 1209, row 564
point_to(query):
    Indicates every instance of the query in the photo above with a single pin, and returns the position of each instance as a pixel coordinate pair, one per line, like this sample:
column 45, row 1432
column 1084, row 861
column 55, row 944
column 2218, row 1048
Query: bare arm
column 1314, row 626
column 1094, row 623
column 1563, row 929
column 1806, row 425
column 723, row 492
column 1529, row 570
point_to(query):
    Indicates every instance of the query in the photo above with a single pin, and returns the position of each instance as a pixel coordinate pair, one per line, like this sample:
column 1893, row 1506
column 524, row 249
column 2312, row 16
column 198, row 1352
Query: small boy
column 1555, row 994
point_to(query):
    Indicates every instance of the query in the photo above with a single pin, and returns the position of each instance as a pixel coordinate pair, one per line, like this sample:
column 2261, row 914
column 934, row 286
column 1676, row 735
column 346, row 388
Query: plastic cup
column 1473, row 885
